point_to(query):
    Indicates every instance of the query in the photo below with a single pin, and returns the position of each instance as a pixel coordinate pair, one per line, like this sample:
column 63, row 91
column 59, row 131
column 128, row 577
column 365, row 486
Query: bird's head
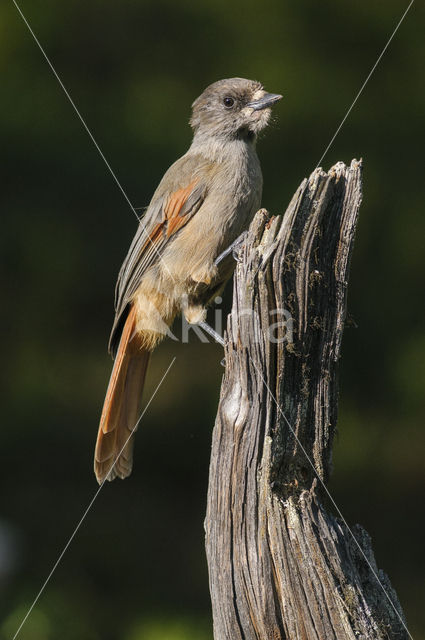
column 231, row 109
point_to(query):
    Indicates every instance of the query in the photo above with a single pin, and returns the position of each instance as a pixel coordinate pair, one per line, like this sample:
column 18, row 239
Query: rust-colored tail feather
column 121, row 407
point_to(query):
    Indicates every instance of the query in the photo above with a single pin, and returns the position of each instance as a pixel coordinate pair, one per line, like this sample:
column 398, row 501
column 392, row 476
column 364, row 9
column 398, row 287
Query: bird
column 180, row 257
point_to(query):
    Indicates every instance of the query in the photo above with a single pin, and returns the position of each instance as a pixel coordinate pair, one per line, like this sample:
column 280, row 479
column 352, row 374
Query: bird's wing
column 179, row 196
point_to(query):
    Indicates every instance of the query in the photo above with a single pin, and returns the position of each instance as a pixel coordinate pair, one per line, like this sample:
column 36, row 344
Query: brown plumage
column 202, row 204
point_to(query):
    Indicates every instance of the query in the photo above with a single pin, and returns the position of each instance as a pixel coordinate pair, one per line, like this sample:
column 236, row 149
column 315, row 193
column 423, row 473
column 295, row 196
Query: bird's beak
column 265, row 101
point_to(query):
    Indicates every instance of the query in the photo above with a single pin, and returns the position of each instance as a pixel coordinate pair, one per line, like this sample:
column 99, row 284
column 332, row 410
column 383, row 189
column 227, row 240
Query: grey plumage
column 202, row 204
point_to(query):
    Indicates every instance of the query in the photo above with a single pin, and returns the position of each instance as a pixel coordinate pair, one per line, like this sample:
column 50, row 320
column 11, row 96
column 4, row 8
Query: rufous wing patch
column 172, row 219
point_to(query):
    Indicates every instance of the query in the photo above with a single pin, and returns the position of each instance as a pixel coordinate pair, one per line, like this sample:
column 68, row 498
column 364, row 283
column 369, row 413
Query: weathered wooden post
column 280, row 565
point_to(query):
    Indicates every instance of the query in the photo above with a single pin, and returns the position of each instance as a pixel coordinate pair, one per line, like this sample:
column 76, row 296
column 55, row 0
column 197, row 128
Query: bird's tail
column 114, row 447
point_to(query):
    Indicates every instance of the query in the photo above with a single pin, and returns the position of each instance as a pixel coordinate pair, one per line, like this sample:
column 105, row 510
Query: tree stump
column 280, row 565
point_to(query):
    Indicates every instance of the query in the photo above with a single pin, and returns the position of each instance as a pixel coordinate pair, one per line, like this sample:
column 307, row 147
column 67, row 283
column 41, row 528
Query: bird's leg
column 231, row 249
column 195, row 314
column 206, row 327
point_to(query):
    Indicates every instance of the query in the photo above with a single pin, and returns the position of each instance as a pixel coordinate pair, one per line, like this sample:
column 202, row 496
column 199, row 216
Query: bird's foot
column 212, row 332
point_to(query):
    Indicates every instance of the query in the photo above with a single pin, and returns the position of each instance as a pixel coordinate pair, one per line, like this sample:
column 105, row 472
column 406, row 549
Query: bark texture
column 282, row 566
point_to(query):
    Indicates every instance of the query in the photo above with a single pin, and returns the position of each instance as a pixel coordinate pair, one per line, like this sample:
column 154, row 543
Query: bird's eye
column 228, row 102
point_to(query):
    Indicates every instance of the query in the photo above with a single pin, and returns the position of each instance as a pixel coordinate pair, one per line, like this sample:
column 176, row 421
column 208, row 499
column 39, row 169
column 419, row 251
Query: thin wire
column 90, row 504
column 89, row 133
column 269, row 390
column 364, row 84
column 75, row 108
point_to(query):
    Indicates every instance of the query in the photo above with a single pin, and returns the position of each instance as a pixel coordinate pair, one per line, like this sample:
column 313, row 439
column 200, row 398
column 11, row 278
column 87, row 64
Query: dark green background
column 136, row 569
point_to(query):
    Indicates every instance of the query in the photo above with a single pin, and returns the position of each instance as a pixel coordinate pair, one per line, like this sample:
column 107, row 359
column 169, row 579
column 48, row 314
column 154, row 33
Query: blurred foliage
column 136, row 569
column 172, row 629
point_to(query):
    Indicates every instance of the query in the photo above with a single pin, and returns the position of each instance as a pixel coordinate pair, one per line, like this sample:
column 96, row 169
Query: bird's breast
column 233, row 196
